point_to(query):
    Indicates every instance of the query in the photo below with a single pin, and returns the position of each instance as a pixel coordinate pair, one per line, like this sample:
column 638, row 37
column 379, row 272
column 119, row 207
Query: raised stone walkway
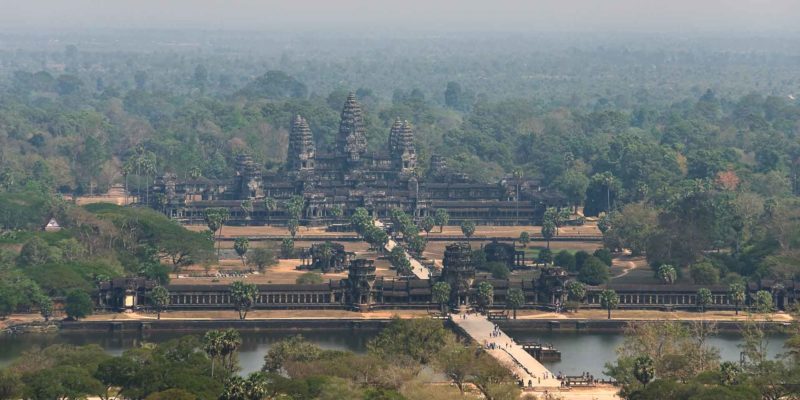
column 419, row 270
column 521, row 363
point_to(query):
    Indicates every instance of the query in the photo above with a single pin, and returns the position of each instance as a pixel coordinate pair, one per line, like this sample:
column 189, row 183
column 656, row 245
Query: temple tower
column 394, row 132
column 248, row 178
column 405, row 155
column 360, row 282
column 459, row 272
column 438, row 167
column 352, row 139
column 300, row 156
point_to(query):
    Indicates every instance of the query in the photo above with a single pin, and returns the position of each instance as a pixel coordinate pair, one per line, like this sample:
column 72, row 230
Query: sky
column 408, row 15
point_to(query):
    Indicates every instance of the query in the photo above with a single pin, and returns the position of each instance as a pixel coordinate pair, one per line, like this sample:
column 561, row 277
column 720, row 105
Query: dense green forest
column 687, row 149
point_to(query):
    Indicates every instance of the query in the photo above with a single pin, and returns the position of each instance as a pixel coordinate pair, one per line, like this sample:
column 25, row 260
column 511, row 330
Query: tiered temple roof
column 352, row 139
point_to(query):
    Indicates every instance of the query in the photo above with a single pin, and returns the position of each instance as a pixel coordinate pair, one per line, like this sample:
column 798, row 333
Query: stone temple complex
column 334, row 183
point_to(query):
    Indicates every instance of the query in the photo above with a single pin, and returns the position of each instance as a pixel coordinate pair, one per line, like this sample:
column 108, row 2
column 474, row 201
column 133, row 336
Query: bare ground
column 656, row 315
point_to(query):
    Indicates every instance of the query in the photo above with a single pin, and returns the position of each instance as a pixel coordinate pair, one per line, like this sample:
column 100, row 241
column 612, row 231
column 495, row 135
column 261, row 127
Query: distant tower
column 248, row 178
column 352, row 139
column 394, row 132
column 438, row 167
column 403, row 153
column 300, row 156
column 458, row 271
column 360, row 282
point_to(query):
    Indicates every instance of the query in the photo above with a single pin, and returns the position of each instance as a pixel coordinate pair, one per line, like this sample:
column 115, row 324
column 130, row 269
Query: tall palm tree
column 212, row 345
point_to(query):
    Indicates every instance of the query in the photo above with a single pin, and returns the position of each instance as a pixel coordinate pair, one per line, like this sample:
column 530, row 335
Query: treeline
column 672, row 360
column 397, row 366
column 96, row 243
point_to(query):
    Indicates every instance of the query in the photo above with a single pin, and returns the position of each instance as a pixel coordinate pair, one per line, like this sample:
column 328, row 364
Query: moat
column 579, row 351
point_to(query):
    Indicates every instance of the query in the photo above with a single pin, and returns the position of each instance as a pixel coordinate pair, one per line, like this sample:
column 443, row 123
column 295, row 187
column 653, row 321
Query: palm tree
column 738, row 294
column 269, row 206
column 515, row 299
column 609, row 300
column 548, row 231
column 231, row 341
column 159, row 297
column 241, row 244
column 667, row 274
column 485, row 295
column 441, row 294
column 212, row 345
column 703, row 298
column 576, row 292
column 243, row 295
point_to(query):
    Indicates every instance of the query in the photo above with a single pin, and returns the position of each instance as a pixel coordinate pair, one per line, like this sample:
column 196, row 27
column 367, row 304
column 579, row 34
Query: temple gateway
column 333, row 184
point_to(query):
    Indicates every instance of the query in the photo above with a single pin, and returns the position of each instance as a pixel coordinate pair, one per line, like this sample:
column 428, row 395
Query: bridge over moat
column 527, row 369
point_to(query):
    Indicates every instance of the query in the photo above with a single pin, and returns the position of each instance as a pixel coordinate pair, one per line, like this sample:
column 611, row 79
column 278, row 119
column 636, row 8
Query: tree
column 644, row 370
column 704, row 273
column 262, row 257
column 468, row 228
column 212, row 345
column 738, row 294
column 45, row 306
column 10, row 384
column 593, row 272
column 566, row 260
column 215, row 219
column 763, row 301
column 515, row 299
column 441, row 294
column 416, row 244
column 608, row 300
column 548, row 231
column 336, row 211
column 243, row 295
column 78, row 304
column 294, row 207
column 292, row 224
column 231, row 340
column 524, row 238
column 159, row 298
column 703, row 298
column 269, row 206
column 241, row 244
column 442, row 218
column 545, row 256
column 573, row 184
column 576, row 292
column 485, row 295
column 36, row 251
column 427, row 224
column 418, row 339
column 309, row 278
column 287, row 248
column 667, row 274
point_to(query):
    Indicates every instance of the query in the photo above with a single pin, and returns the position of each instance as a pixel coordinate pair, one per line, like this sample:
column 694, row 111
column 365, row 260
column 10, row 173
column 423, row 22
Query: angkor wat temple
column 335, row 183
column 362, row 290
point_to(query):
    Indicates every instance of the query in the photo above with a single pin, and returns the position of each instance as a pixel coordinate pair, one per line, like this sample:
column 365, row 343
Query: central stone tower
column 459, row 272
column 301, row 153
column 352, row 138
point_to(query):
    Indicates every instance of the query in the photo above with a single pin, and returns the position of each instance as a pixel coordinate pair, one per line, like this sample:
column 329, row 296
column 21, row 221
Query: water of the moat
column 579, row 351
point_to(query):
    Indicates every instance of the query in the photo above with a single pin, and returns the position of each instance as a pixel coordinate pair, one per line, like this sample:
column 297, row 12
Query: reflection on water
column 579, row 351
column 588, row 352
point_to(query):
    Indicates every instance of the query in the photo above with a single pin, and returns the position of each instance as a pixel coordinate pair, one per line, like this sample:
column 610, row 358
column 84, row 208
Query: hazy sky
column 392, row 15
